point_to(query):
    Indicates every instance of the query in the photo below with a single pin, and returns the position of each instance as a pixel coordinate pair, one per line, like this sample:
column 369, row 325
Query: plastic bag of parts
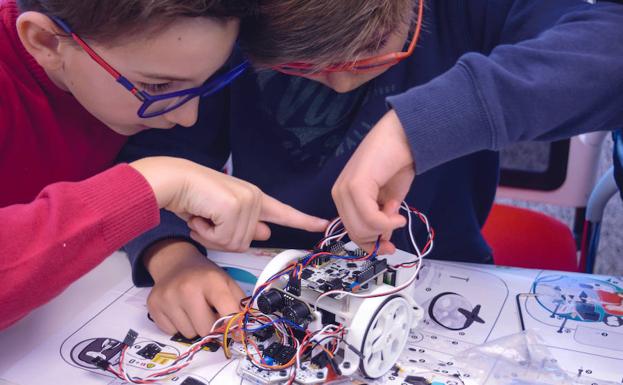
column 519, row 359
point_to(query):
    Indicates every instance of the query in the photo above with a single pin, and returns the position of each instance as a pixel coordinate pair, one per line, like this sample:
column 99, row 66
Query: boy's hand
column 190, row 291
column 223, row 212
column 375, row 181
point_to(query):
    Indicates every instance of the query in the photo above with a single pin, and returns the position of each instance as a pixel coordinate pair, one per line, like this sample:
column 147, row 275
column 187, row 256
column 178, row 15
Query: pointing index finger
column 279, row 213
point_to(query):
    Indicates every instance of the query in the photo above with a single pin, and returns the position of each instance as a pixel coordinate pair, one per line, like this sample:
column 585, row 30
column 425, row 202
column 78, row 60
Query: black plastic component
column 183, row 340
column 334, row 284
column 390, row 277
column 337, row 248
column 351, row 265
column 281, row 354
column 100, row 363
column 327, row 317
column 379, row 265
column 270, row 301
column 298, row 312
column 320, row 360
column 416, row 380
column 264, row 334
column 212, row 345
column 272, row 350
column 192, row 381
column 149, row 351
column 374, row 268
column 294, row 286
column 320, row 259
column 305, row 274
column 364, row 275
column 130, row 338
column 285, row 355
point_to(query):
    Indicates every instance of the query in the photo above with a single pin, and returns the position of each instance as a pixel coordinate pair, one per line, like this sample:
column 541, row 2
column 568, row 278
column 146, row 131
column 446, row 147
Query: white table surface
column 494, row 288
column 25, row 335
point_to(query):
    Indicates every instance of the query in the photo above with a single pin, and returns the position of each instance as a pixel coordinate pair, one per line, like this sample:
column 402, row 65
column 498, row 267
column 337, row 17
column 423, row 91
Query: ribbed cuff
column 125, row 202
column 444, row 119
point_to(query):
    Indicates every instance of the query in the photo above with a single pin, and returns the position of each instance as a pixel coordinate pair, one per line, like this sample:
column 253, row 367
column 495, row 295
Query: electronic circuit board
column 342, row 275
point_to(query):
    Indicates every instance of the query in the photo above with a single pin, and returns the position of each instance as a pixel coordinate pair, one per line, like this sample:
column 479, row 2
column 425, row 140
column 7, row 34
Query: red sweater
column 52, row 233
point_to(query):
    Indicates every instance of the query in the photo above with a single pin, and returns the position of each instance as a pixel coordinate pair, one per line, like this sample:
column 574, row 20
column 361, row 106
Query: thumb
column 279, row 213
column 262, row 232
column 391, row 209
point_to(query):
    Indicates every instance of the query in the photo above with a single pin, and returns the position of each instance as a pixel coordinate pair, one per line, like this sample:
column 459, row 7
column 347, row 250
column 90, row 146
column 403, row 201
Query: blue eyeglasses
column 155, row 105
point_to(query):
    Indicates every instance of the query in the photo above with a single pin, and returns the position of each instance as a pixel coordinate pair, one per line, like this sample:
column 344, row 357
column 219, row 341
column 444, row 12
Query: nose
column 186, row 115
column 341, row 82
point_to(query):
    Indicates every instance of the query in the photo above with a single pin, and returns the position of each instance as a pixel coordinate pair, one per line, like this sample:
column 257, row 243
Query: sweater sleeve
column 617, row 136
column 67, row 230
column 564, row 80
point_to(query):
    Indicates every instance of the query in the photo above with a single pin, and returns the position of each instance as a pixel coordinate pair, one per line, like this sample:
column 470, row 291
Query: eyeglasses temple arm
column 118, row 77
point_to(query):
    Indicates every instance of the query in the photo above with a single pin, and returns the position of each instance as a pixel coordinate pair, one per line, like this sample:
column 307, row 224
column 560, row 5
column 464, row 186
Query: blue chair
column 605, row 189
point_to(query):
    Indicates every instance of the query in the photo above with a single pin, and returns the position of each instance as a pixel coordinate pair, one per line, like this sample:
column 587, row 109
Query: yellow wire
column 225, row 344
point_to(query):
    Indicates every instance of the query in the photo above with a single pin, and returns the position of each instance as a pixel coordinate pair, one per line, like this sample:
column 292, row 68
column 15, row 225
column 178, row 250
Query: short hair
column 320, row 31
column 108, row 20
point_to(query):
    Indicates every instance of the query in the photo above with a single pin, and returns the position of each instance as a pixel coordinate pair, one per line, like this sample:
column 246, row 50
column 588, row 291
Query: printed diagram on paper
column 580, row 319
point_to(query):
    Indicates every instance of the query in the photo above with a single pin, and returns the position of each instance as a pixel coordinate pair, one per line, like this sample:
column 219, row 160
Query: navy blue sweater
column 617, row 136
column 486, row 73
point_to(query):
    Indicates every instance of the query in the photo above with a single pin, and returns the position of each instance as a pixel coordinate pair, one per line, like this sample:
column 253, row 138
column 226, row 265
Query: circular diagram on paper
column 581, row 299
column 452, row 311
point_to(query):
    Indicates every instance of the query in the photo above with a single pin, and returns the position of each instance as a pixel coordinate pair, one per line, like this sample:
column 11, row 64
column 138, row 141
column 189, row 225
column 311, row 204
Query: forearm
column 563, row 82
column 65, row 232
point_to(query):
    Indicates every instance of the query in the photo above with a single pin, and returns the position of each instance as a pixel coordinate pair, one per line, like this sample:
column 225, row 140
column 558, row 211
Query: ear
column 40, row 36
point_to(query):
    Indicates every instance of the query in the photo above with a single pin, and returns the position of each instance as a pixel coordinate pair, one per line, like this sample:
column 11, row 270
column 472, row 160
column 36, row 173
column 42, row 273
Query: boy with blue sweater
column 358, row 97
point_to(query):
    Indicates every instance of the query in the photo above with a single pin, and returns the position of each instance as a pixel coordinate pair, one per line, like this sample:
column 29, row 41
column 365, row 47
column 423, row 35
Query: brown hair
column 107, row 20
column 320, row 31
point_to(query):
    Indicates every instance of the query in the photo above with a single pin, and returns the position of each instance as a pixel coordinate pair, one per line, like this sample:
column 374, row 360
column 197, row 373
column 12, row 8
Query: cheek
column 101, row 95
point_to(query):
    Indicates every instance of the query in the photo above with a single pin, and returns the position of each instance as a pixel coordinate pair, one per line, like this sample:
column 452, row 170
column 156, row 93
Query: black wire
column 338, row 337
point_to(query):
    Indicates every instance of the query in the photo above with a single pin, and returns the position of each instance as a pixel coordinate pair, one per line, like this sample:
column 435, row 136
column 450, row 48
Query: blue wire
column 264, row 326
column 282, row 320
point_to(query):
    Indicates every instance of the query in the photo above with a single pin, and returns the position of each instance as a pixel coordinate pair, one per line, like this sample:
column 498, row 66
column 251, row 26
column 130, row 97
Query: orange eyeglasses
column 363, row 65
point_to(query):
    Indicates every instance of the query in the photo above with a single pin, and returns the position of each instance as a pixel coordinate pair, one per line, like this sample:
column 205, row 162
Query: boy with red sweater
column 63, row 118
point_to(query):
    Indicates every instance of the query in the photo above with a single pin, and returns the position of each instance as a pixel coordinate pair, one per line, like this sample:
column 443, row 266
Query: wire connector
column 101, row 363
column 130, row 338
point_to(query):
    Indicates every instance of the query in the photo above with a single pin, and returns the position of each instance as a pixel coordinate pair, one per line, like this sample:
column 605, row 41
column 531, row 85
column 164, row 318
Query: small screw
column 346, row 365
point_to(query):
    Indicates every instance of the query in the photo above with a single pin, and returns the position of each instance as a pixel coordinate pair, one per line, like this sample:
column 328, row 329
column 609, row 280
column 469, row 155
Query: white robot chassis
column 377, row 327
